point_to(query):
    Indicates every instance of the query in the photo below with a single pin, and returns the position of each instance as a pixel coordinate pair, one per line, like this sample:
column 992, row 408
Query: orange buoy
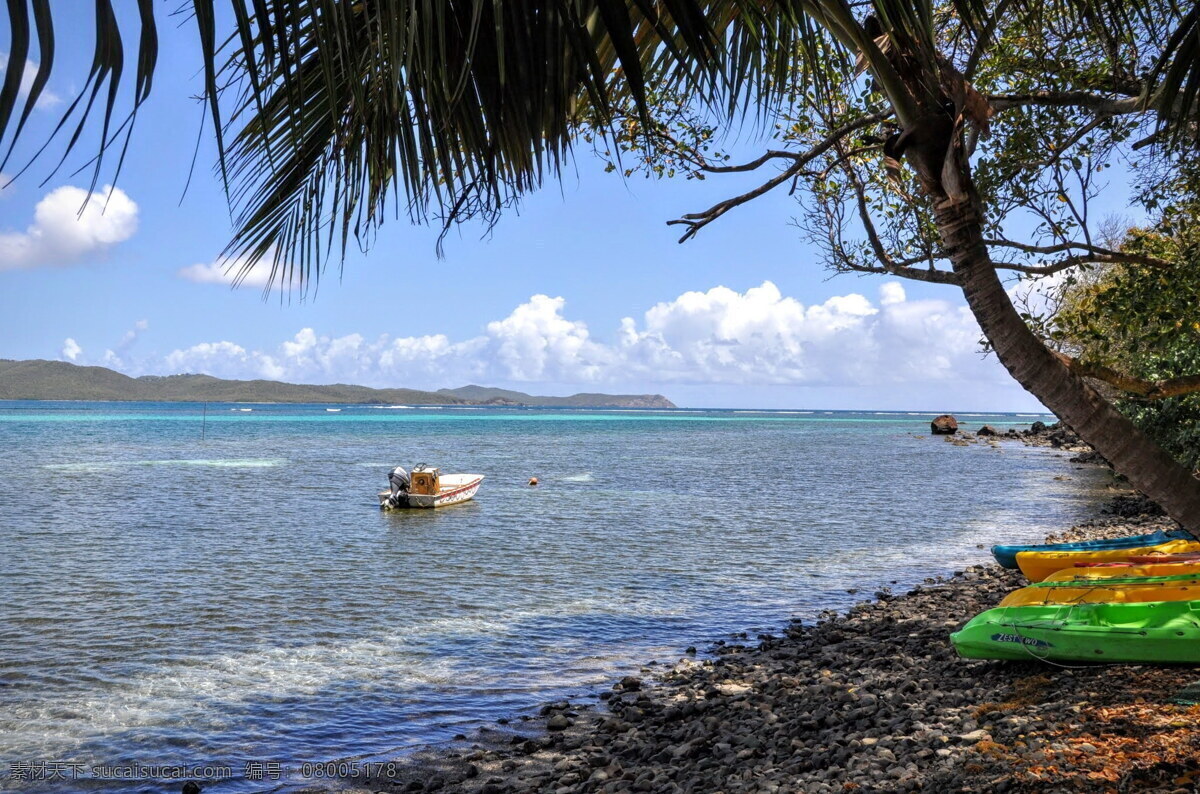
column 533, row 480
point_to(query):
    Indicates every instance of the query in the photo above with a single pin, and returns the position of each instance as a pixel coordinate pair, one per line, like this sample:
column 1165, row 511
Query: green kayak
column 1155, row 631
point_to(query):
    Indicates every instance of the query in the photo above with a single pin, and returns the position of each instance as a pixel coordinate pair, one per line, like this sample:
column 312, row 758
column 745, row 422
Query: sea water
column 187, row 585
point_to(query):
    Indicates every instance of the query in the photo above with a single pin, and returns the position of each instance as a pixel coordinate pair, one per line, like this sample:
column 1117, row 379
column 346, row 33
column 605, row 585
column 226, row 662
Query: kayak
column 1123, row 570
column 1108, row 591
column 1007, row 555
column 1037, row 565
column 1153, row 559
column 1155, row 632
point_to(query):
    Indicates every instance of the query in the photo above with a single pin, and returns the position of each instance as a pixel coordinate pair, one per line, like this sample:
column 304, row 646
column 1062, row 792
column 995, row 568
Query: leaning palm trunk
column 1147, row 466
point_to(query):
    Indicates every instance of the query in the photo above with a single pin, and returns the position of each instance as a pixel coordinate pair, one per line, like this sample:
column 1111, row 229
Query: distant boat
column 427, row 487
column 333, row 410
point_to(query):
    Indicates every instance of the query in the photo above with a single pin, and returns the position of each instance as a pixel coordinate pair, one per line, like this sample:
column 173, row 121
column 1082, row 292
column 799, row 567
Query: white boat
column 427, row 487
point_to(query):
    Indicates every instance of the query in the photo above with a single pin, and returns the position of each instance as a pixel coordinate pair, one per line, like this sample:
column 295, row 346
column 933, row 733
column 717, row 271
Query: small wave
column 392, row 407
column 82, row 467
column 226, row 463
column 231, row 463
column 333, row 410
column 585, row 477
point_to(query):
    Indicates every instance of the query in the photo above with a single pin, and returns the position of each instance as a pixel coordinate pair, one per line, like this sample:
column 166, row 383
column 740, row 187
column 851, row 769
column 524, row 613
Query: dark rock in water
column 629, row 684
column 1038, row 427
column 559, row 722
column 1090, row 457
column 944, row 425
column 988, row 430
column 191, row 788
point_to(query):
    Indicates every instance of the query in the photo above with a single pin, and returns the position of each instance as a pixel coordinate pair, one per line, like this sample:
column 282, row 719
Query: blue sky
column 583, row 289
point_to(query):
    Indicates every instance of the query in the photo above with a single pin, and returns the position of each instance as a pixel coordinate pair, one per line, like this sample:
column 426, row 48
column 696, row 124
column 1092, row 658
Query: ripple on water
column 243, row 597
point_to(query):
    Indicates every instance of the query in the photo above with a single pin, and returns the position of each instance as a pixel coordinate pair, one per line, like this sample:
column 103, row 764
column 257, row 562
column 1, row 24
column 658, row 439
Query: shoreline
column 867, row 700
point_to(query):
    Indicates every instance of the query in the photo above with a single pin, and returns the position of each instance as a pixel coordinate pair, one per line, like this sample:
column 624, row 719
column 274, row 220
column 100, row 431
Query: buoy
column 533, row 480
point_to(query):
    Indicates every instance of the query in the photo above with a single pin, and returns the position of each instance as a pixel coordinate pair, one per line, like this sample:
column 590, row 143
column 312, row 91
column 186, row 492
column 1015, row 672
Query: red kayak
column 1144, row 559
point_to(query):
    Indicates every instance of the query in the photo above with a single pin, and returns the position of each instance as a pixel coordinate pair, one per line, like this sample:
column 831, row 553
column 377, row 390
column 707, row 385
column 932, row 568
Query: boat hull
column 1123, row 591
column 1007, row 555
column 1123, row 571
column 1037, row 565
column 456, row 489
column 1157, row 632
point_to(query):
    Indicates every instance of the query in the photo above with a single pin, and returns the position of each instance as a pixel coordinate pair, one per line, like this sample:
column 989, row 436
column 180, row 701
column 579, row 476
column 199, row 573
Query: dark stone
column 629, row 684
column 944, row 425
column 988, row 430
column 1037, row 427
column 1130, row 506
column 191, row 787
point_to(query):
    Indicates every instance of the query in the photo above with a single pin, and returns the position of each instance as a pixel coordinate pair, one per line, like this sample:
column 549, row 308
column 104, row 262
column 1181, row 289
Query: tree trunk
column 1148, row 467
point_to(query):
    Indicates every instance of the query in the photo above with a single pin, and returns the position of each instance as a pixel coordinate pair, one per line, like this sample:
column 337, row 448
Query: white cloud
column 116, row 357
column 720, row 336
column 61, row 234
column 228, row 272
column 892, row 292
column 71, row 349
column 47, row 99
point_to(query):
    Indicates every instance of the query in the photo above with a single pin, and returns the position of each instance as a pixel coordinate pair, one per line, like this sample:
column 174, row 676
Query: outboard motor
column 398, row 481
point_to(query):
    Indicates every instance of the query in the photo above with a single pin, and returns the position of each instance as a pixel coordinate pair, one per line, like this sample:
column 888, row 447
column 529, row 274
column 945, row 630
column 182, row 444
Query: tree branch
column 1149, row 389
column 1111, row 106
column 1096, row 253
column 695, row 221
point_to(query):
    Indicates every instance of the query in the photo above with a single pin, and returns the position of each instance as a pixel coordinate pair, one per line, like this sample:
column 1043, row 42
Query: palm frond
column 325, row 112
column 1176, row 79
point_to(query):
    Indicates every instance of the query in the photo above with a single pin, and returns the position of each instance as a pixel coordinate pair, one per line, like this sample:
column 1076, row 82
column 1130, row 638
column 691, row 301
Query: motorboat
column 426, row 486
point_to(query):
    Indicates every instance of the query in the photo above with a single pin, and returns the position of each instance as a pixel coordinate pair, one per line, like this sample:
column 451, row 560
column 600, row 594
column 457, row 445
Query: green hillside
column 60, row 380
column 487, row 394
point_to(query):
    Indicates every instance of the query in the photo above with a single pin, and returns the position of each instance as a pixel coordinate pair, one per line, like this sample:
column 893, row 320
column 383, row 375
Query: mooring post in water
column 203, row 420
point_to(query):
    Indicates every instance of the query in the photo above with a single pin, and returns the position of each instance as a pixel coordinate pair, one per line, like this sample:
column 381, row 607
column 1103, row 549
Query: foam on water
column 221, row 463
column 587, row 476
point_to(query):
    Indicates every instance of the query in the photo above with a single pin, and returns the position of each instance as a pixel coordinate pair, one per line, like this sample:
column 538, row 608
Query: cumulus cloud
column 71, row 349
column 719, row 336
column 228, row 273
column 115, row 357
column 62, row 234
column 47, row 99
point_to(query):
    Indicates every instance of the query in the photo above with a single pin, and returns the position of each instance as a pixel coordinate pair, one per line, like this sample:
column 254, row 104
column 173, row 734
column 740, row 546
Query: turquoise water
column 191, row 585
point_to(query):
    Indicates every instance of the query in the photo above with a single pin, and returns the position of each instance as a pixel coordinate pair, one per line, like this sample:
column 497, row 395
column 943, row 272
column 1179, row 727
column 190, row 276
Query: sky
column 583, row 288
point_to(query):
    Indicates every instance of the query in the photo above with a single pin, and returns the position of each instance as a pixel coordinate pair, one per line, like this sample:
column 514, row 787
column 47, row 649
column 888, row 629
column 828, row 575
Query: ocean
column 214, row 586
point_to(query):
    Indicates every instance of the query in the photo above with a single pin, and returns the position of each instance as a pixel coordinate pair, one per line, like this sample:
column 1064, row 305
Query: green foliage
column 1144, row 322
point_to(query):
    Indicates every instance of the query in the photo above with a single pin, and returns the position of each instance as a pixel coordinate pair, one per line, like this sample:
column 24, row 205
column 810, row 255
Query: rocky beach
column 871, row 700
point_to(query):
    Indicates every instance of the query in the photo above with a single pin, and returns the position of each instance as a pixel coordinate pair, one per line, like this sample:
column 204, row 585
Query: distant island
column 60, row 380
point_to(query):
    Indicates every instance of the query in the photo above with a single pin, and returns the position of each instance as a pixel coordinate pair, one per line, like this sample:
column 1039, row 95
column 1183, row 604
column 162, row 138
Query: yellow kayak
column 1100, row 593
column 1123, row 572
column 1037, row 565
